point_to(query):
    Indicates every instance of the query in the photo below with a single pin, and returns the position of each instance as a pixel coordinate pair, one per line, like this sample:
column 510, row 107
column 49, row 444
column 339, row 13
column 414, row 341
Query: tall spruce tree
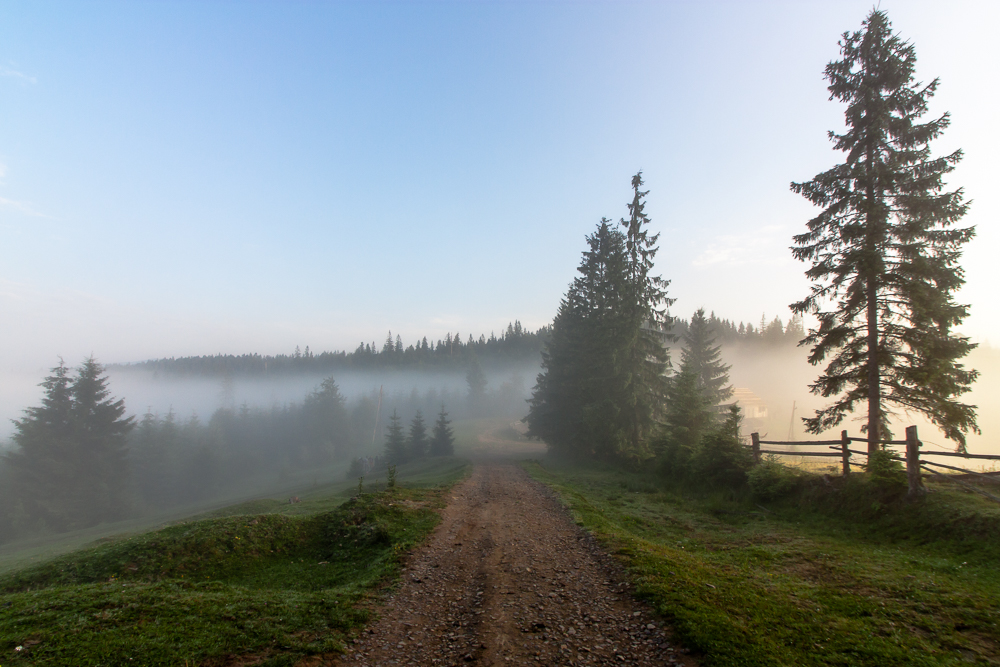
column 645, row 328
column 602, row 384
column 395, row 441
column 442, row 437
column 884, row 250
column 704, row 358
column 571, row 393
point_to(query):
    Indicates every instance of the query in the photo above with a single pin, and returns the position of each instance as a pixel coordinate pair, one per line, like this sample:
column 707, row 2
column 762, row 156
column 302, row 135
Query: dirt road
column 508, row 579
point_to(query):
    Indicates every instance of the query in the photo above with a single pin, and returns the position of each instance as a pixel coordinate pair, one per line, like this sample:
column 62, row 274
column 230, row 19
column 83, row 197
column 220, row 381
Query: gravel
column 508, row 579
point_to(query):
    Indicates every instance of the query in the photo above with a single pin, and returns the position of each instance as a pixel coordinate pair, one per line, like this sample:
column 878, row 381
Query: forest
column 153, row 461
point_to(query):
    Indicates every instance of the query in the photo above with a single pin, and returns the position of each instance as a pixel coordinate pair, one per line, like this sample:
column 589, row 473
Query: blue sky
column 193, row 177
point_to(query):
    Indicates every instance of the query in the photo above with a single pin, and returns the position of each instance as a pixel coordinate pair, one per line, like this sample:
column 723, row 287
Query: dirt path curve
column 508, row 579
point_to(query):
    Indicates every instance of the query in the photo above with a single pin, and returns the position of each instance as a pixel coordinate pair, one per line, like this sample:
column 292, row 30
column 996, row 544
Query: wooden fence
column 914, row 462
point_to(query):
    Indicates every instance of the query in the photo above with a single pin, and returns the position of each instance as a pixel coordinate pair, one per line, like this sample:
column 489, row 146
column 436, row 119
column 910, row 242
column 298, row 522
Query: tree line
column 769, row 333
column 514, row 345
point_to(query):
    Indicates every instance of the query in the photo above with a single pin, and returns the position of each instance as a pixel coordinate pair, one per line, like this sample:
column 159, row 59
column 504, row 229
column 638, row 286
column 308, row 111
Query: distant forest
column 514, row 345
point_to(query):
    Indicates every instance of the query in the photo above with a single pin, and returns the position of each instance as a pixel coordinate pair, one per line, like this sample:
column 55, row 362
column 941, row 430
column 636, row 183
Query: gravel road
column 508, row 579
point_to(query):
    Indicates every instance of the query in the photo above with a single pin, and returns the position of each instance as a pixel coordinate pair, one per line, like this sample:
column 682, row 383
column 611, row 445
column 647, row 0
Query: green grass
column 39, row 548
column 263, row 578
column 826, row 578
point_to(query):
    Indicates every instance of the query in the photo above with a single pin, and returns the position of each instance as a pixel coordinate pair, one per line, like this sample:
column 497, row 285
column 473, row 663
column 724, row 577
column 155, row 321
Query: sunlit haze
column 199, row 178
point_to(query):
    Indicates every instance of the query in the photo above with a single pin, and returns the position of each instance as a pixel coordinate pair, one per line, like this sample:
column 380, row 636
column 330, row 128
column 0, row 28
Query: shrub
column 771, row 479
column 721, row 460
column 886, row 472
column 673, row 456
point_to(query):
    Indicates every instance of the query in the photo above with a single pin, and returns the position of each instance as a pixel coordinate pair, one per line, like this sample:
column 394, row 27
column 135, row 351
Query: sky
column 187, row 178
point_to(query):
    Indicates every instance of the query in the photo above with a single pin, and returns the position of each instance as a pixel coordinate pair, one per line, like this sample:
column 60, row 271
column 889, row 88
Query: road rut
column 508, row 579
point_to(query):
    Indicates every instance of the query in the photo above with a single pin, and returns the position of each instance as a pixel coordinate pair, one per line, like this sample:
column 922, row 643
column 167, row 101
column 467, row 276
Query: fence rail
column 914, row 464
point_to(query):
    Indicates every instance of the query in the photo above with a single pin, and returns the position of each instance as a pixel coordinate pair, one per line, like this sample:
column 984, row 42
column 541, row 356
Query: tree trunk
column 874, row 196
column 874, row 387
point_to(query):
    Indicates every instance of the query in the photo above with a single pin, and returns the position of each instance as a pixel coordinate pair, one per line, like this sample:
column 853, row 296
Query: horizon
column 183, row 180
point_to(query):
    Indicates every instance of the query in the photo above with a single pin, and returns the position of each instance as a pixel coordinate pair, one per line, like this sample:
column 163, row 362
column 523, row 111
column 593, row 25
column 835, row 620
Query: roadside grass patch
column 276, row 586
column 814, row 579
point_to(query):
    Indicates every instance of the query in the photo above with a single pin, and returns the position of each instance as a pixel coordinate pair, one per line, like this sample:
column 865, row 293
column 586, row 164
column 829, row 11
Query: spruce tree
column 326, row 422
column 884, row 250
column 70, row 461
column 571, row 407
column 100, row 432
column 688, row 417
column 602, row 386
column 42, row 463
column 442, row 438
column 644, row 330
column 395, row 441
column 417, row 442
column 703, row 357
column 476, row 379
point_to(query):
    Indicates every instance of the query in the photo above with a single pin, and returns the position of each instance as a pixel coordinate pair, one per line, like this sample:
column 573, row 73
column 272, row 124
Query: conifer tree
column 572, row 391
column 395, row 441
column 476, row 379
column 326, row 421
column 602, row 386
column 42, row 463
column 645, row 329
column 71, row 462
column 442, row 438
column 884, row 250
column 703, row 357
column 100, row 433
column 417, row 443
column 688, row 417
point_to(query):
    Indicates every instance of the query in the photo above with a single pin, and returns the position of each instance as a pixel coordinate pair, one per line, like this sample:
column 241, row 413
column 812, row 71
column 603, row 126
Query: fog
column 159, row 393
column 780, row 376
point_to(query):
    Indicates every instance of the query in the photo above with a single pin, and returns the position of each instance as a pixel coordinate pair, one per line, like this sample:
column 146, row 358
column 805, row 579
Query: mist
column 145, row 391
column 148, row 391
column 781, row 375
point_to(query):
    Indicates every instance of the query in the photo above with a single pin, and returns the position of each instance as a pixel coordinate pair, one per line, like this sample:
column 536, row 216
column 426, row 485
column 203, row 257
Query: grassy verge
column 262, row 580
column 797, row 583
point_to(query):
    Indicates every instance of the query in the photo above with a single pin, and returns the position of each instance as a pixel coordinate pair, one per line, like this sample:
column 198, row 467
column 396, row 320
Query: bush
column 771, row 479
column 673, row 456
column 886, row 472
column 721, row 460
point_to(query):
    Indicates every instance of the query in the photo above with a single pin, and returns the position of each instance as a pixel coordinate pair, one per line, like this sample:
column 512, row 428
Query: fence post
column 916, row 487
column 755, row 446
column 845, row 454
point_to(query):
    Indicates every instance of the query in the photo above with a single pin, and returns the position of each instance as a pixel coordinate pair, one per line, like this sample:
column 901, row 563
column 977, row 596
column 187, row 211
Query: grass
column 262, row 579
column 823, row 578
column 39, row 548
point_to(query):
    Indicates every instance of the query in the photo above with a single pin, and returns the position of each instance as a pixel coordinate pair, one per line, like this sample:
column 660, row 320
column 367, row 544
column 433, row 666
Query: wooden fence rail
column 912, row 457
